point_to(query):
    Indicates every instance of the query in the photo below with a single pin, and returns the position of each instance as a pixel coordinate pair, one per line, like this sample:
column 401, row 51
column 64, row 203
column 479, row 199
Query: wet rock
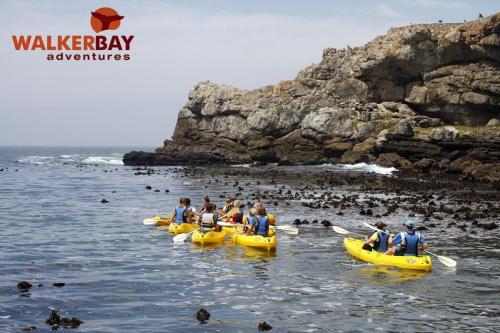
column 104, row 201
column 24, row 286
column 297, row 222
column 326, row 223
column 488, row 226
column 59, row 284
column 264, row 326
column 202, row 315
column 157, row 190
column 340, row 213
column 148, row 187
column 54, row 319
column 72, row 322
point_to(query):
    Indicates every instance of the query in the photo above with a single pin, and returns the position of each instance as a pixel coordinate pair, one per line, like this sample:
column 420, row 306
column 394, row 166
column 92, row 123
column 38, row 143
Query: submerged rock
column 202, row 315
column 24, row 286
column 264, row 326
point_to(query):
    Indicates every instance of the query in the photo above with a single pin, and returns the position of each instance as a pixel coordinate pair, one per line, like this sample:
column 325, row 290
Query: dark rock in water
column 59, row 284
column 40, row 285
column 148, row 187
column 488, row 226
column 297, row 222
column 157, row 190
column 167, row 191
column 104, row 201
column 264, row 326
column 24, row 286
column 326, row 223
column 29, row 328
column 202, row 315
column 340, row 213
column 113, row 191
column 54, row 319
column 72, row 322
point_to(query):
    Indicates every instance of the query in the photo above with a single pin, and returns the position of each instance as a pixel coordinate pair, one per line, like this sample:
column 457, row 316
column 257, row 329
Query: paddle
column 342, row 231
column 444, row 260
column 180, row 238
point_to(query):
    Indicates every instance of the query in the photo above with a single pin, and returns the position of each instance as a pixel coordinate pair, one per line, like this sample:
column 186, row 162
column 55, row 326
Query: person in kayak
column 272, row 219
column 259, row 224
column 228, row 206
column 238, row 217
column 408, row 242
column 380, row 241
column 206, row 201
column 181, row 214
column 208, row 220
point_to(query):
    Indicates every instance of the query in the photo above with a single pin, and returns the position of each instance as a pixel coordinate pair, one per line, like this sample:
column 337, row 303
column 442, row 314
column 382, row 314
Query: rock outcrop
column 426, row 92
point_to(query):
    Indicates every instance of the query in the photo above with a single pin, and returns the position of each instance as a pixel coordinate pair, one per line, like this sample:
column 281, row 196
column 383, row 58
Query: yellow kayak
column 256, row 241
column 208, row 238
column 355, row 248
column 181, row 228
column 232, row 230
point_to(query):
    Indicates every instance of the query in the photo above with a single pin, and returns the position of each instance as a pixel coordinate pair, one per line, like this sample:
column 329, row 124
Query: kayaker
column 259, row 224
column 190, row 208
column 238, row 217
column 180, row 212
column 208, row 220
column 408, row 242
column 228, row 206
column 206, row 201
column 272, row 219
column 380, row 241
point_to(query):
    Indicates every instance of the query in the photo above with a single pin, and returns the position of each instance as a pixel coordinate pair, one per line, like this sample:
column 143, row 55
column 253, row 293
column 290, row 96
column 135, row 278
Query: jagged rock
column 493, row 122
column 392, row 160
column 390, row 90
column 366, row 147
column 403, row 128
column 425, row 164
column 447, row 133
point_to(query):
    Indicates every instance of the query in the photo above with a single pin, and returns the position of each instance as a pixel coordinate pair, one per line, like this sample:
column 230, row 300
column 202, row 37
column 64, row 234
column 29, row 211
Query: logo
column 105, row 18
column 82, row 47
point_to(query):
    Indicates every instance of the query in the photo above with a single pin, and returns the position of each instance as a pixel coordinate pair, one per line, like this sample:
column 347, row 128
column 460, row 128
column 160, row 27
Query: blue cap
column 409, row 223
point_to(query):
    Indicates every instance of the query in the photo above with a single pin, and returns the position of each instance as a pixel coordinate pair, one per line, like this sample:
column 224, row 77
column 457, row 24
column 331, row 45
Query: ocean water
column 123, row 276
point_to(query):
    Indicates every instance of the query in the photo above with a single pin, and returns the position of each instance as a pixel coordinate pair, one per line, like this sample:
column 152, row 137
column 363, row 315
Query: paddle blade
column 294, row 231
column 226, row 224
column 447, row 261
column 179, row 239
column 340, row 230
column 233, row 211
column 149, row 221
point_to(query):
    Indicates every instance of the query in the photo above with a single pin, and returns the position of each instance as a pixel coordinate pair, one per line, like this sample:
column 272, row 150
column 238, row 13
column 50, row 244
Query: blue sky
column 177, row 44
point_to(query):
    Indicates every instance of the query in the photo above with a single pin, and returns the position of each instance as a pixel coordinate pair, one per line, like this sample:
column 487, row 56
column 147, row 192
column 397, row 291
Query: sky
column 177, row 44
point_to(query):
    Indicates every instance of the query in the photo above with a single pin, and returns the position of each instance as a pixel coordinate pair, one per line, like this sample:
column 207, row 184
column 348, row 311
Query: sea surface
column 123, row 276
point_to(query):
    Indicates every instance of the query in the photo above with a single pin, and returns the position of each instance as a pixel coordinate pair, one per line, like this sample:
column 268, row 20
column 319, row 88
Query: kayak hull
column 355, row 248
column 208, row 238
column 182, row 228
column 256, row 241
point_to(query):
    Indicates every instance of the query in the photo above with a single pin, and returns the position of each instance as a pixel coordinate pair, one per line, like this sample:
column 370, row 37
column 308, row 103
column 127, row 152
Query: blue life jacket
column 382, row 243
column 179, row 215
column 410, row 244
column 261, row 226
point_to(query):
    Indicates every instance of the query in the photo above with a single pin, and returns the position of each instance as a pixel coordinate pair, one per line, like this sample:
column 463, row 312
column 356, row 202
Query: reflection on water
column 377, row 274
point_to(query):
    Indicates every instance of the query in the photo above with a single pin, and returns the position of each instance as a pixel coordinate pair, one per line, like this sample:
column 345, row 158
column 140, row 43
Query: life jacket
column 409, row 244
column 382, row 243
column 179, row 214
column 238, row 217
column 207, row 222
column 261, row 226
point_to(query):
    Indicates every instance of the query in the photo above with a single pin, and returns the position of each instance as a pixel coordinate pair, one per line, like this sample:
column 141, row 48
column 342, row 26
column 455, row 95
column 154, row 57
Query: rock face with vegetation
column 424, row 96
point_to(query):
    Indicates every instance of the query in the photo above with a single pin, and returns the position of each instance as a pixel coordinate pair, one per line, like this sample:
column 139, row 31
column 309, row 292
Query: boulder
column 404, row 128
column 366, row 147
column 393, row 160
column 493, row 122
column 447, row 133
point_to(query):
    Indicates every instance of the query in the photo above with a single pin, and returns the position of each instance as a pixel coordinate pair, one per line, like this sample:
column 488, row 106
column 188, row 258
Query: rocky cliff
column 425, row 96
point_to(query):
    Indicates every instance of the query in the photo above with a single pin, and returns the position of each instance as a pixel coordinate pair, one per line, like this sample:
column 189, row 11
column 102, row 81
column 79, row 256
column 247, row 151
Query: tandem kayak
column 181, row 228
column 208, row 238
column 256, row 241
column 355, row 248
